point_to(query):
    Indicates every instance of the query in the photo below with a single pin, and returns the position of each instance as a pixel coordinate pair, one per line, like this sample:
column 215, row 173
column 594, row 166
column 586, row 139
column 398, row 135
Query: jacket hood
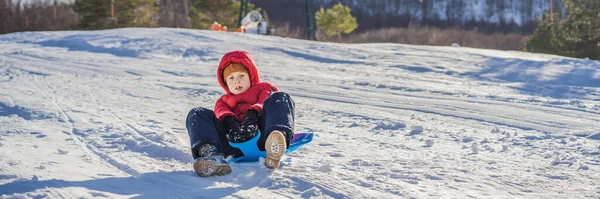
column 243, row 58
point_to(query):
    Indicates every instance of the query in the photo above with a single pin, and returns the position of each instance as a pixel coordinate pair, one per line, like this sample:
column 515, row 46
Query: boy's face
column 238, row 82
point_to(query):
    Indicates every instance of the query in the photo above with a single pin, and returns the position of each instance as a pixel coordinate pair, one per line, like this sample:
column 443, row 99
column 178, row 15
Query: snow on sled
column 252, row 154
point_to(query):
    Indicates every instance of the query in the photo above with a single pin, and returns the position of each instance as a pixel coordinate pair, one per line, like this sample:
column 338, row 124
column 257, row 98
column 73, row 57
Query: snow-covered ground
column 102, row 114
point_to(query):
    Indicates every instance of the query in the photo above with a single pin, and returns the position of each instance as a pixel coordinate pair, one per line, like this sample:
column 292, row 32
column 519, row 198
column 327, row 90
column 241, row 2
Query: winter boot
column 275, row 146
column 210, row 162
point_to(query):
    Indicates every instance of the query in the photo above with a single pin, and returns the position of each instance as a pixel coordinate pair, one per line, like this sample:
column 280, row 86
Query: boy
column 248, row 106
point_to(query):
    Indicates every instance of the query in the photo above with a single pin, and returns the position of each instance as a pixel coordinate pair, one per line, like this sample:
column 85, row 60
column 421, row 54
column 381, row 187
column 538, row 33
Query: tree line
column 466, row 14
column 17, row 15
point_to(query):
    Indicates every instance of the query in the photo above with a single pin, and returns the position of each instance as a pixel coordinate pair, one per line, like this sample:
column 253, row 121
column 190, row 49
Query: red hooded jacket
column 252, row 99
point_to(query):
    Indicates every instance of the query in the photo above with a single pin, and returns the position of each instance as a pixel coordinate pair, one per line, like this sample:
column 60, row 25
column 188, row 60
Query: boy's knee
column 193, row 112
column 279, row 95
column 199, row 112
column 280, row 98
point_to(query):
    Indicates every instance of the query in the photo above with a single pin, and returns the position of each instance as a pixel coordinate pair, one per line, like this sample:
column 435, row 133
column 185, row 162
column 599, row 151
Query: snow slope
column 102, row 114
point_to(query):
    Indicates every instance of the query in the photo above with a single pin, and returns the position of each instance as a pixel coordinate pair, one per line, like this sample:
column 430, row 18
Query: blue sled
column 252, row 154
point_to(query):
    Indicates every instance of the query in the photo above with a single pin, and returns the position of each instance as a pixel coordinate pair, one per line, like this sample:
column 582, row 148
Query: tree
column 146, row 14
column 540, row 41
column 174, row 13
column 93, row 14
column 204, row 12
column 27, row 15
column 124, row 13
column 578, row 35
column 575, row 35
column 96, row 14
column 336, row 20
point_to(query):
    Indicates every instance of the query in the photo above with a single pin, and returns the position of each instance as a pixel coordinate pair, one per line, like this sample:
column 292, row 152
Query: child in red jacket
column 248, row 106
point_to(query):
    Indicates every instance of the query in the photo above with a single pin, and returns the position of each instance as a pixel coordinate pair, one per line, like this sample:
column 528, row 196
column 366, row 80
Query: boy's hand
column 232, row 129
column 249, row 126
column 251, row 116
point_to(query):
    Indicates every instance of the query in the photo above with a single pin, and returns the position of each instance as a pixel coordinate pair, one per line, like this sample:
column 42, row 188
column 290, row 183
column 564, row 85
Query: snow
column 102, row 114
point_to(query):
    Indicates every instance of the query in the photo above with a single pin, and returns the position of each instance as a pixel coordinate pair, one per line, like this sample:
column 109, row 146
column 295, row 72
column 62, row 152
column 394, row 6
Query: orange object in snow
column 240, row 29
column 216, row 26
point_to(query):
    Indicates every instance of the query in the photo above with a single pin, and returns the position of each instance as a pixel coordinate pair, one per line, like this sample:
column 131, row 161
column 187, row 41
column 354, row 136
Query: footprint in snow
column 62, row 152
column 416, row 130
column 312, row 192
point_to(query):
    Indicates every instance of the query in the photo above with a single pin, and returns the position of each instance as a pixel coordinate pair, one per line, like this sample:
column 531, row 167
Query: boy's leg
column 277, row 121
column 208, row 145
column 204, row 127
column 278, row 114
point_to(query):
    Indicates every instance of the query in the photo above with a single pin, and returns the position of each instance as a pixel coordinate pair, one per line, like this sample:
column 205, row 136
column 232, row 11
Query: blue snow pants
column 204, row 127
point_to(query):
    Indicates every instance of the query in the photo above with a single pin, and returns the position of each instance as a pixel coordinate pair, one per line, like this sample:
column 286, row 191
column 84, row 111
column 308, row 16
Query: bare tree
column 174, row 13
column 16, row 16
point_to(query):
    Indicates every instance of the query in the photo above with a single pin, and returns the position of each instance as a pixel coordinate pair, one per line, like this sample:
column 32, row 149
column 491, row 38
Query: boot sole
column 207, row 169
column 275, row 146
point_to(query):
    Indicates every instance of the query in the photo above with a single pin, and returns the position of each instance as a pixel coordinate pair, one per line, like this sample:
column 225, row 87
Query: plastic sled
column 252, row 154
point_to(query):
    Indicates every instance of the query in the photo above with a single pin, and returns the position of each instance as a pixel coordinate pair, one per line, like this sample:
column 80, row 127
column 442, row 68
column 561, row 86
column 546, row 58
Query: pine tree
column 540, row 41
column 93, row 14
column 96, row 14
column 336, row 20
column 575, row 35
column 124, row 13
column 578, row 35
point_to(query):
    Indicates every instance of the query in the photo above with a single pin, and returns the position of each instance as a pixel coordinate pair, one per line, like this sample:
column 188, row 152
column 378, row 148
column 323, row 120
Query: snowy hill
column 102, row 114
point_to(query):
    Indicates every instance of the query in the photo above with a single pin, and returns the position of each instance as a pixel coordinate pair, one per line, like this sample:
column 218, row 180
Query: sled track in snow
column 338, row 188
column 447, row 110
column 423, row 110
column 153, row 146
column 443, row 95
column 84, row 145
